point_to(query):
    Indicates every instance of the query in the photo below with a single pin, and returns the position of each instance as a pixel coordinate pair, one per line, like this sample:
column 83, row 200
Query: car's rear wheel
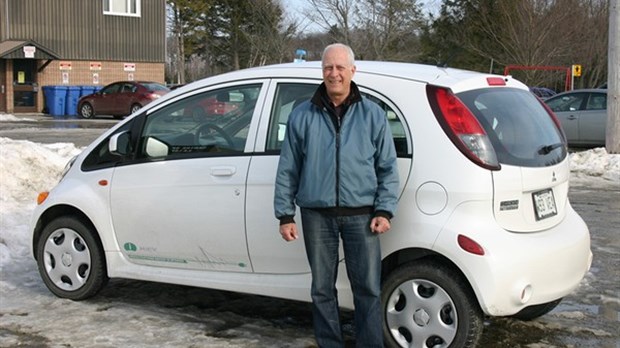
column 134, row 108
column 87, row 111
column 429, row 305
column 70, row 259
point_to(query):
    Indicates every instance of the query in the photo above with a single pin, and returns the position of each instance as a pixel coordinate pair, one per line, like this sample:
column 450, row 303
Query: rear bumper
column 518, row 269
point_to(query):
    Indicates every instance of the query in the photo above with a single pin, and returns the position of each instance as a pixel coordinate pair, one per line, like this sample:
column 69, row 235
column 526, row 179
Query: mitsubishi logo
column 553, row 178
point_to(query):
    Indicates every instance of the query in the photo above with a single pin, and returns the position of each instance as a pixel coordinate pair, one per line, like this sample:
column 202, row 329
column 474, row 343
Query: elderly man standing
column 338, row 164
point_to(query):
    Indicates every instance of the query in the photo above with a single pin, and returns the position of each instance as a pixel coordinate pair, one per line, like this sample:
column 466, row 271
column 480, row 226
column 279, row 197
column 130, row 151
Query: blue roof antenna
column 300, row 56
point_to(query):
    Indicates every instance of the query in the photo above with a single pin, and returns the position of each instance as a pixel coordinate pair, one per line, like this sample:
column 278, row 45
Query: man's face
column 337, row 73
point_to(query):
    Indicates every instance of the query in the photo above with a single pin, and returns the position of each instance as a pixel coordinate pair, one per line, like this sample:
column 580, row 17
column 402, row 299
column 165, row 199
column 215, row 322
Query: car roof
column 456, row 79
column 127, row 81
column 600, row 90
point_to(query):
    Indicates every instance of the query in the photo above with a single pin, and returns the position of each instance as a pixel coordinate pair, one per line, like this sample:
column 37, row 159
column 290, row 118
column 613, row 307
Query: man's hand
column 379, row 224
column 289, row 232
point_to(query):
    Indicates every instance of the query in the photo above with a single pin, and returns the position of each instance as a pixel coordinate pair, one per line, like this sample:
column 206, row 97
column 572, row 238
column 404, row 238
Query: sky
column 296, row 8
column 26, row 307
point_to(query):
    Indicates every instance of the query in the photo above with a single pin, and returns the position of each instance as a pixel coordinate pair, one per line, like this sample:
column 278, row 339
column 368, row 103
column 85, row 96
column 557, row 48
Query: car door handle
column 572, row 117
column 223, row 171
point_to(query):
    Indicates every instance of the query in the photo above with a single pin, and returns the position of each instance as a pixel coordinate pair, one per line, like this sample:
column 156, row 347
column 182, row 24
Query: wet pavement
column 44, row 128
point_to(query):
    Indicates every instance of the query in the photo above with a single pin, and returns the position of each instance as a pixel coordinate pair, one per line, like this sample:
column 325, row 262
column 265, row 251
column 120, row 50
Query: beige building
column 76, row 43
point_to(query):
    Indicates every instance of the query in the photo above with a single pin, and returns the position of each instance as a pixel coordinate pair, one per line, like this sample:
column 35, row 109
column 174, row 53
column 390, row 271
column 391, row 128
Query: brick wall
column 85, row 73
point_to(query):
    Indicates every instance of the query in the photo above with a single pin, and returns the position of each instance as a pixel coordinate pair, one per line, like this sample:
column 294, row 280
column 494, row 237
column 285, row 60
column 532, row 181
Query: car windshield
column 520, row 129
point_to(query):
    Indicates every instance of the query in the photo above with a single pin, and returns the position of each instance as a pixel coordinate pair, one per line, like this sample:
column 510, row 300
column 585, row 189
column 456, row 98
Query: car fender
column 517, row 269
column 91, row 199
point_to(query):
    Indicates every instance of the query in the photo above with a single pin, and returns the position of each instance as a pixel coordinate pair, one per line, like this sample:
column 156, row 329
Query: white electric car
column 182, row 192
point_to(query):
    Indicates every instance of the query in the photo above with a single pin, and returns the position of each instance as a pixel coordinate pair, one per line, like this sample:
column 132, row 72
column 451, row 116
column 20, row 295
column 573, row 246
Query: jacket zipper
column 338, row 162
column 336, row 125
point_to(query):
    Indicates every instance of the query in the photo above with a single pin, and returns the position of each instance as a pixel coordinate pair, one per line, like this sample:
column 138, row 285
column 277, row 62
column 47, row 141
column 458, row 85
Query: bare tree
column 184, row 21
column 335, row 17
column 388, row 29
column 542, row 32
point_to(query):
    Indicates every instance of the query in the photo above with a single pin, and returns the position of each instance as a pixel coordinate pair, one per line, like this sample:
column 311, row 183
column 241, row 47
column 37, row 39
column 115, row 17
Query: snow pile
column 9, row 118
column 596, row 162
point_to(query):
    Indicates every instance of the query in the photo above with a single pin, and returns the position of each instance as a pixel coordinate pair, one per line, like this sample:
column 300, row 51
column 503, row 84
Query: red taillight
column 470, row 245
column 151, row 95
column 462, row 127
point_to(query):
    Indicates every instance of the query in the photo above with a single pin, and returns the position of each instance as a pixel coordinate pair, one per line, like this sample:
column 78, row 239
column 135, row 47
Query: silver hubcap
column 419, row 313
column 87, row 111
column 66, row 259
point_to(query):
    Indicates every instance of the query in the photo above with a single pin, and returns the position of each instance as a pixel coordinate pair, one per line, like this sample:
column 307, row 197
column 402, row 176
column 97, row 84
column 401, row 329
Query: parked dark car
column 543, row 92
column 583, row 115
column 120, row 98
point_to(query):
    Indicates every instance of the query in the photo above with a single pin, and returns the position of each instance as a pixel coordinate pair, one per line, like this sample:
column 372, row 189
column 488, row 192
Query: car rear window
column 521, row 130
column 155, row 87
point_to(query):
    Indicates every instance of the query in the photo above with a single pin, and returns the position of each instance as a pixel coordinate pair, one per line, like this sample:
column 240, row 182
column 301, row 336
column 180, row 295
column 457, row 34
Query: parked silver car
column 583, row 115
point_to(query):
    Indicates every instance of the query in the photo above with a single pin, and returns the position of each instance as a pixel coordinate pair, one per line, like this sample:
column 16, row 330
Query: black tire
column 429, row 305
column 86, row 110
column 533, row 312
column 70, row 259
column 134, row 108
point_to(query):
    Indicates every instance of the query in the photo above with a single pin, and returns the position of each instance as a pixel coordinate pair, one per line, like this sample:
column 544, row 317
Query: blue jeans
column 362, row 253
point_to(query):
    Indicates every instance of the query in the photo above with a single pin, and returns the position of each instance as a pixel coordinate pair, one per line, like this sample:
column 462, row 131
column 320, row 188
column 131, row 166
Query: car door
column 123, row 99
column 269, row 253
column 567, row 108
column 181, row 202
column 593, row 120
column 105, row 101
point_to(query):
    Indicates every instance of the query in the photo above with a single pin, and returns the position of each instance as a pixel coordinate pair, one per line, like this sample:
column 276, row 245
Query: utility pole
column 612, row 136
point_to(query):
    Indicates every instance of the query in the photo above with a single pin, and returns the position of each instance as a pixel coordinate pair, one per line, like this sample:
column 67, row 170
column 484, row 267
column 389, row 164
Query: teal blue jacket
column 323, row 167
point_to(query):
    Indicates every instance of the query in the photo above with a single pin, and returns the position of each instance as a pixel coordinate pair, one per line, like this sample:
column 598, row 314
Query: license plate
column 544, row 204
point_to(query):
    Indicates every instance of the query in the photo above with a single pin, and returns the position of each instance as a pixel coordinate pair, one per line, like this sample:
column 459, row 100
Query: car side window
column 571, row 102
column 207, row 124
column 290, row 95
column 597, row 101
column 396, row 126
column 112, row 89
column 129, row 88
column 100, row 157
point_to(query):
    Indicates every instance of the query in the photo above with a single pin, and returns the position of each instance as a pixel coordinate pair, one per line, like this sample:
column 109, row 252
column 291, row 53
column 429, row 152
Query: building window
column 121, row 7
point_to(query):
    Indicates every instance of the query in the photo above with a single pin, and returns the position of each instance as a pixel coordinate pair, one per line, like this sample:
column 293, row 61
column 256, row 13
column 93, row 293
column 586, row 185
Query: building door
column 3, row 86
column 25, row 87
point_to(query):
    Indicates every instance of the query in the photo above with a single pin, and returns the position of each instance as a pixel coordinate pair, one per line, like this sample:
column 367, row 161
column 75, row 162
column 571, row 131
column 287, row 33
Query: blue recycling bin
column 86, row 90
column 55, row 99
column 73, row 95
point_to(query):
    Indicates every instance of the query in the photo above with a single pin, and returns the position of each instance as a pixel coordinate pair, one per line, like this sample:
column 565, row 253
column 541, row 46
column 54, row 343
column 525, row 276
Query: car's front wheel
column 427, row 304
column 87, row 111
column 70, row 259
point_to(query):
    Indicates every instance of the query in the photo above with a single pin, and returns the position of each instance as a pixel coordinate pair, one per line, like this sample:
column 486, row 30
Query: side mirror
column 119, row 144
column 156, row 148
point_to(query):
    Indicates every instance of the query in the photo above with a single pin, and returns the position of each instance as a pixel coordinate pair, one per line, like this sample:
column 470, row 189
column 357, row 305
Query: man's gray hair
column 340, row 45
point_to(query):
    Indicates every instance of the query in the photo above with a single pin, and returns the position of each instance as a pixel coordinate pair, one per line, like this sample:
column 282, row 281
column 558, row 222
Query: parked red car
column 120, row 98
